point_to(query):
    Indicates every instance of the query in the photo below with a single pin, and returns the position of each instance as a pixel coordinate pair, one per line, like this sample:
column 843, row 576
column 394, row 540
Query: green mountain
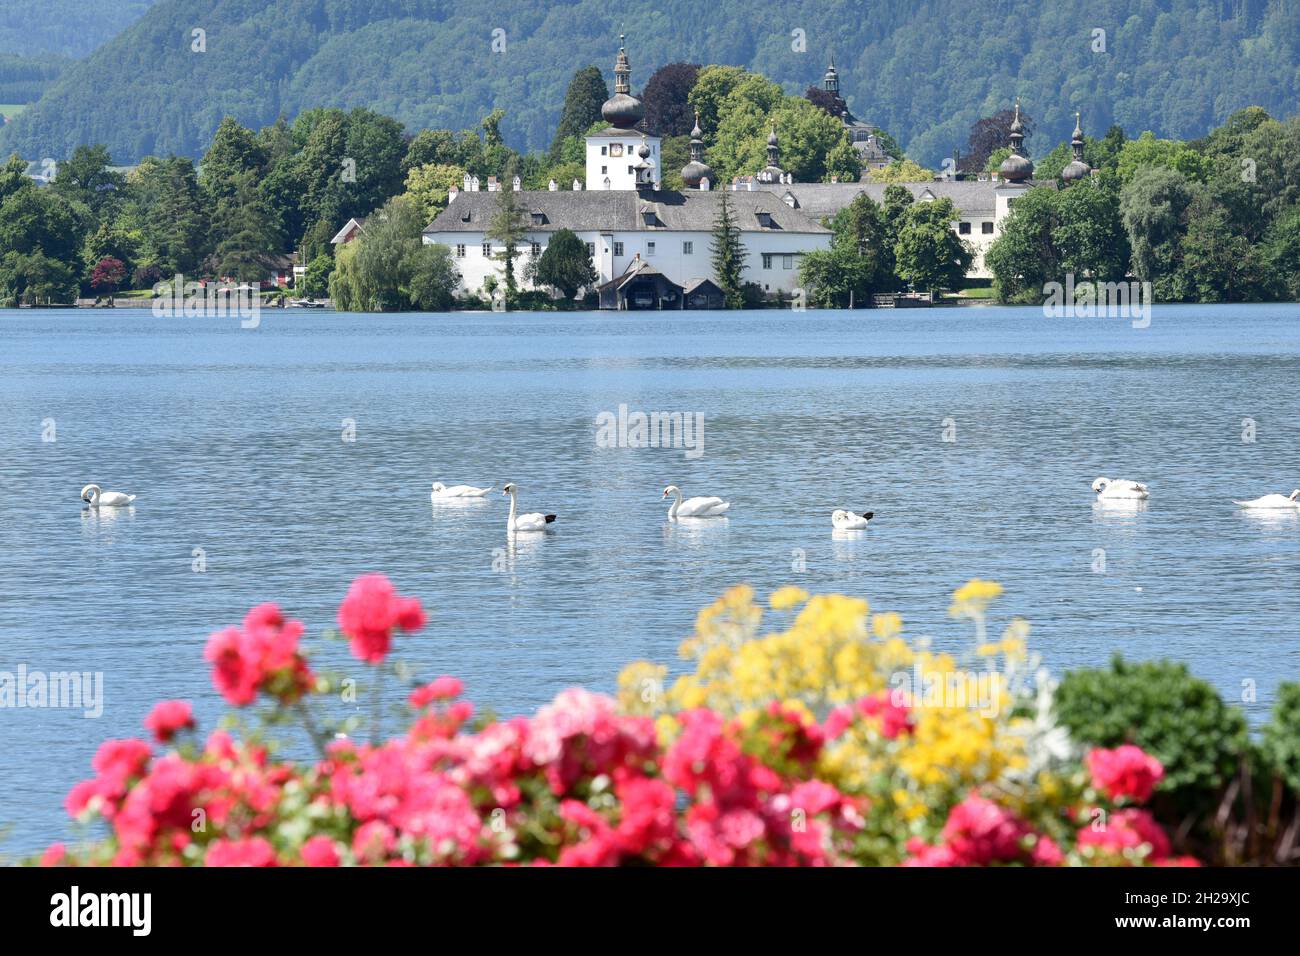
column 69, row 28
column 924, row 70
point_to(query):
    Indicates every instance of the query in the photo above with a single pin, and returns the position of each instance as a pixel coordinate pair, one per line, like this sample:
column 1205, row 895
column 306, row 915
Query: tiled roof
column 621, row 210
column 823, row 200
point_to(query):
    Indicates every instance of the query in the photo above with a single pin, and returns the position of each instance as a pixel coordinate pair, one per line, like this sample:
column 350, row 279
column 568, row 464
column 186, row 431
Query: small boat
column 305, row 304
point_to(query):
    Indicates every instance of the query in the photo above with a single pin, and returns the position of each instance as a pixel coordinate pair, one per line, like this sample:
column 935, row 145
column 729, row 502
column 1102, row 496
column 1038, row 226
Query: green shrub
column 1160, row 707
column 1280, row 741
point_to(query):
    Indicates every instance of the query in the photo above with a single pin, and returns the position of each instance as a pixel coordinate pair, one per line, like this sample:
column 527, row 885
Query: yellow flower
column 974, row 597
column 787, row 597
column 887, row 624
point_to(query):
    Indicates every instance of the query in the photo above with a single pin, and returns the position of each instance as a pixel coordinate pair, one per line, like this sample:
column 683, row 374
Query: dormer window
column 648, row 217
column 764, row 219
column 464, row 217
column 539, row 219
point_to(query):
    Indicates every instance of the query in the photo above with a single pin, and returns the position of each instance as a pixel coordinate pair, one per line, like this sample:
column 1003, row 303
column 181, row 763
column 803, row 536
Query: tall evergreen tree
column 728, row 254
column 582, row 102
column 507, row 227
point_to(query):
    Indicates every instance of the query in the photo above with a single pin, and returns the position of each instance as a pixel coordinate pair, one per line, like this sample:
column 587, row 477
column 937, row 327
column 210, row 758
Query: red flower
column 253, row 851
column 54, row 855
column 1125, row 772
column 320, row 851
column 444, row 688
column 263, row 655
column 168, row 718
column 369, row 613
column 1125, row 832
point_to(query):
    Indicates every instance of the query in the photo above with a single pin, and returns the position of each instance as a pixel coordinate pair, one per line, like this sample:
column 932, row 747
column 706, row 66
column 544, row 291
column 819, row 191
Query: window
column 767, row 260
column 604, row 169
column 591, row 250
column 649, row 248
column 618, row 248
column 460, row 250
column 604, row 151
column 487, row 249
column 787, row 262
column 986, row 228
column 535, row 248
column 963, row 228
column 631, row 170
column 688, row 248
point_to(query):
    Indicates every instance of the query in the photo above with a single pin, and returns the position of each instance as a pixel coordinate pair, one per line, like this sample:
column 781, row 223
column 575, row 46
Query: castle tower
column 1076, row 169
column 612, row 153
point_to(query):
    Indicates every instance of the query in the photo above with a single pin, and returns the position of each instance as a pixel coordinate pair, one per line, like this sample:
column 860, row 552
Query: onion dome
column 772, row 172
column 1016, row 168
column 1076, row 169
column 622, row 110
column 697, row 169
column 831, row 79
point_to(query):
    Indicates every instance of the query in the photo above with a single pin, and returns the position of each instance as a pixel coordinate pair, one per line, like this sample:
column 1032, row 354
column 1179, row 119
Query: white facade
column 612, row 158
column 772, row 260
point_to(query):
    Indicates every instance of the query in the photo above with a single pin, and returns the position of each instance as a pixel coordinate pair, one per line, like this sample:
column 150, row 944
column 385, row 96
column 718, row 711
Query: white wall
column 668, row 256
column 617, row 166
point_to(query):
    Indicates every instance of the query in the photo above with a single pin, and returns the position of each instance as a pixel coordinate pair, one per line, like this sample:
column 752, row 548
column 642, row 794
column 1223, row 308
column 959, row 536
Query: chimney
column 517, row 184
column 704, row 184
column 994, row 176
column 577, row 186
column 474, row 184
column 493, row 185
column 467, row 186
column 835, row 178
column 452, row 193
column 552, row 186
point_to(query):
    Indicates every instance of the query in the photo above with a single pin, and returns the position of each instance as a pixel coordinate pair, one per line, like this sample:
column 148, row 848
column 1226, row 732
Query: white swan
column 533, row 521
column 104, row 499
column 457, row 491
column 1120, row 488
column 850, row 520
column 1272, row 501
column 701, row 507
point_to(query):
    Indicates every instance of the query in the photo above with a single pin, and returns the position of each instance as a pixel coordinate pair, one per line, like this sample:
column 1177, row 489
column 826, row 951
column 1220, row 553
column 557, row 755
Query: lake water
column 234, row 441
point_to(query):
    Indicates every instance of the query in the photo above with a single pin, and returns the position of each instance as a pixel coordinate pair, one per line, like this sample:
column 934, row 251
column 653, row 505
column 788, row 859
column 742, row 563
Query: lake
column 299, row 454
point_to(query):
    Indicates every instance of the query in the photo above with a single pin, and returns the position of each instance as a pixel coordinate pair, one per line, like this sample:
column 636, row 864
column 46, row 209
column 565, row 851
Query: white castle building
column 651, row 247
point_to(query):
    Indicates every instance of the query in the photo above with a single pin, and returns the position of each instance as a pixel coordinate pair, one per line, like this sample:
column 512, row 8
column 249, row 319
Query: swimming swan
column 104, row 499
column 702, row 507
column 1272, row 501
column 533, row 521
column 1119, row 488
column 850, row 521
column 457, row 491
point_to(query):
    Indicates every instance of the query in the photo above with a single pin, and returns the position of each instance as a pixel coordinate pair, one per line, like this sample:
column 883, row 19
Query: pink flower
column 320, row 851
column 263, row 655
column 168, row 718
column 444, row 688
column 251, row 851
column 1125, row 772
column 1124, row 833
column 370, row 612
column 55, row 854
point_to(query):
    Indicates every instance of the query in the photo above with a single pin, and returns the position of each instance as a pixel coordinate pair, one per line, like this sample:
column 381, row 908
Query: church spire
column 622, row 110
column 831, row 80
column 622, row 69
column 697, row 170
column 1077, row 169
column 1016, row 168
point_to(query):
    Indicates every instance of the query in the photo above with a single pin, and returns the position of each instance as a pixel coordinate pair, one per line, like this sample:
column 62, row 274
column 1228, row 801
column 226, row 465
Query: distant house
column 351, row 230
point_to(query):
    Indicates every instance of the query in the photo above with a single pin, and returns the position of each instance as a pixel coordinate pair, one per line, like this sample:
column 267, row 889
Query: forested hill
column 922, row 69
column 67, row 28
